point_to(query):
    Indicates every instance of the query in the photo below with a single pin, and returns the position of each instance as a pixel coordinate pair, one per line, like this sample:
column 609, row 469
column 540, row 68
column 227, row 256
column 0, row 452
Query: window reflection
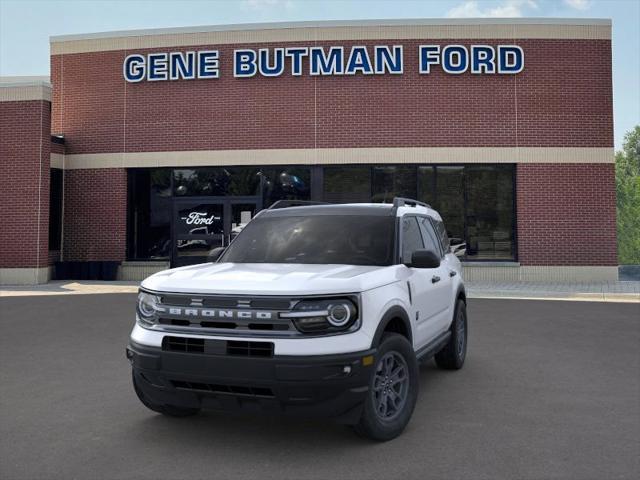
column 475, row 201
column 149, row 216
column 393, row 181
column 426, row 184
column 273, row 183
column 449, row 199
column 285, row 183
column 219, row 181
column 347, row 184
column 489, row 192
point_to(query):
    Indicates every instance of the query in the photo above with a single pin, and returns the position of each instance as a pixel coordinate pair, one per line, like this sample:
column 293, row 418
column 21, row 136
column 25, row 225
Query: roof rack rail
column 408, row 202
column 294, row 203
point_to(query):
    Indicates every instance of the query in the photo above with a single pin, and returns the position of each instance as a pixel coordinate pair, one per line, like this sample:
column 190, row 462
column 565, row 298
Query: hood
column 270, row 279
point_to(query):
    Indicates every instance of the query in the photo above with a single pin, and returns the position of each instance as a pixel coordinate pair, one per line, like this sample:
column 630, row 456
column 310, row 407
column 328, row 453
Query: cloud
column 578, row 4
column 508, row 8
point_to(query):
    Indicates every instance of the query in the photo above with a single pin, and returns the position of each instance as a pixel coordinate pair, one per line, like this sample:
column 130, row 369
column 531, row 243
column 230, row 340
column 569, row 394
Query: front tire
column 169, row 410
column 393, row 390
column 452, row 356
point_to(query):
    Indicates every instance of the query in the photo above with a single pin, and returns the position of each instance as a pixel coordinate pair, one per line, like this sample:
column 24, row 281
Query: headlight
column 147, row 307
column 324, row 315
column 340, row 313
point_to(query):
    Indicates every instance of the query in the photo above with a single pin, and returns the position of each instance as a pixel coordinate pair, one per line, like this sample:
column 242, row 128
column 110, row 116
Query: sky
column 25, row 26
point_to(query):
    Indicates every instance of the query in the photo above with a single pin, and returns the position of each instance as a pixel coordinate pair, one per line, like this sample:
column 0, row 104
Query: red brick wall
column 57, row 148
column 566, row 214
column 562, row 98
column 24, row 196
column 95, row 214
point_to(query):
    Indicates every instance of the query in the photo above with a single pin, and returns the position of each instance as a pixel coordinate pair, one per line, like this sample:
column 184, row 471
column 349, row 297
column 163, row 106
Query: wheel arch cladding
column 395, row 320
column 461, row 294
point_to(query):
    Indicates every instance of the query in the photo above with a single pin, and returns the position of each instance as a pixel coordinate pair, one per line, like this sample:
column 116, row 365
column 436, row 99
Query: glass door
column 197, row 229
column 200, row 225
column 240, row 214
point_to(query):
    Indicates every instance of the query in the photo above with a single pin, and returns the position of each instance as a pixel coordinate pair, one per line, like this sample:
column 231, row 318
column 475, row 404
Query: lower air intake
column 228, row 389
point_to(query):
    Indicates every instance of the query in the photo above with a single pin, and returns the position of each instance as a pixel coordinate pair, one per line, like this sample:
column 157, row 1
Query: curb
column 573, row 297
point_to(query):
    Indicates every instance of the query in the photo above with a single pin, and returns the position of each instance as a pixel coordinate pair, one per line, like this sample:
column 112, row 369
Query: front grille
column 195, row 324
column 228, row 389
column 278, row 325
column 250, row 349
column 226, row 302
column 217, row 347
column 226, row 314
column 183, row 344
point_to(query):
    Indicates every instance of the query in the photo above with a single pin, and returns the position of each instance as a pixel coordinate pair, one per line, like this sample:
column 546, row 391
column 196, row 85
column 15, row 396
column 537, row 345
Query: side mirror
column 458, row 247
column 215, row 253
column 424, row 259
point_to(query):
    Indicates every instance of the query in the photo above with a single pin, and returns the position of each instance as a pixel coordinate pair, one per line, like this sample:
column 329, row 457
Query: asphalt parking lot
column 551, row 389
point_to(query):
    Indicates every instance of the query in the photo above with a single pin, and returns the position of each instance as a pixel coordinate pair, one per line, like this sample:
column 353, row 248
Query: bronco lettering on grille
column 214, row 313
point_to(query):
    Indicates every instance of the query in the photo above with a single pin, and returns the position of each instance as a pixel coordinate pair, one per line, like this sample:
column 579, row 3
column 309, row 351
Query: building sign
column 324, row 61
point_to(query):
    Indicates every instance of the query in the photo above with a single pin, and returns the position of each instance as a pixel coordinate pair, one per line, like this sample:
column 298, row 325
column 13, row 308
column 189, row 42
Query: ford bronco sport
column 313, row 309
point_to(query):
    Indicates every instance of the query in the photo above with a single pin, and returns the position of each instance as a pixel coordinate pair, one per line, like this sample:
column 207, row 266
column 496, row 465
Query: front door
column 202, row 224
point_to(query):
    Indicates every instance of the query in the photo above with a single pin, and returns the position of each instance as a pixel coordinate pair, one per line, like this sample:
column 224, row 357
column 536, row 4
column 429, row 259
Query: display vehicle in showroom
column 312, row 310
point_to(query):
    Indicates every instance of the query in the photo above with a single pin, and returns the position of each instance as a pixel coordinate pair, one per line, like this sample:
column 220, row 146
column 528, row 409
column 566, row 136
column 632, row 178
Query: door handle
column 452, row 273
column 435, row 279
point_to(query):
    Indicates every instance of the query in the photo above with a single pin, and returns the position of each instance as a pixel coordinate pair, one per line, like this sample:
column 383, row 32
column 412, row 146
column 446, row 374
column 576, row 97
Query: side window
column 442, row 233
column 411, row 238
column 431, row 241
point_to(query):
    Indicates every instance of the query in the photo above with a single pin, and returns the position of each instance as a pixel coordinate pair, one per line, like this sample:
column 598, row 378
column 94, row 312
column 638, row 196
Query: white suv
column 312, row 310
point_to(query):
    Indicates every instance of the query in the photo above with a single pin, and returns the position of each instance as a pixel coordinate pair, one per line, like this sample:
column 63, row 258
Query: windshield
column 350, row 240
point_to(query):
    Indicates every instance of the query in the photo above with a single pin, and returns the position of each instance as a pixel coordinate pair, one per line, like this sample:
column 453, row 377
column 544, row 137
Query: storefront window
column 274, row 183
column 149, row 219
column 348, row 184
column 475, row 201
column 285, row 183
column 393, row 181
column 151, row 194
column 426, row 184
column 243, row 181
column 489, row 212
column 219, row 181
column 55, row 209
column 449, row 199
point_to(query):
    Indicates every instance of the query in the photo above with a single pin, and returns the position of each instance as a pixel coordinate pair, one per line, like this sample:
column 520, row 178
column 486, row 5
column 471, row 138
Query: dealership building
column 146, row 149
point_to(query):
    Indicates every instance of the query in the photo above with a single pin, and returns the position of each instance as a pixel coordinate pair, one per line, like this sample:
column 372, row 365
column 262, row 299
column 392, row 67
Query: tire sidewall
column 376, row 427
column 460, row 316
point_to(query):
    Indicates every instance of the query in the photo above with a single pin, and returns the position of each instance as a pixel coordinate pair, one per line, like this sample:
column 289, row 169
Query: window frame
column 401, row 235
column 445, row 246
column 435, row 238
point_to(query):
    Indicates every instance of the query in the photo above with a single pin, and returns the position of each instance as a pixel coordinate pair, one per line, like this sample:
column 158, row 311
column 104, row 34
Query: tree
column 628, row 198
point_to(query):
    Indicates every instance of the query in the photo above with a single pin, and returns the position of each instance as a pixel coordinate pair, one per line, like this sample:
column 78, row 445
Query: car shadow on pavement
column 211, row 429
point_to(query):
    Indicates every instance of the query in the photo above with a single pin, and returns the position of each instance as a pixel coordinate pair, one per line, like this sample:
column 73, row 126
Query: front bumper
column 321, row 385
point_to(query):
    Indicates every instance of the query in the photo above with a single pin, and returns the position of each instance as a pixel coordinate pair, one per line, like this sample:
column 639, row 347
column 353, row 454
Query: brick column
column 25, row 123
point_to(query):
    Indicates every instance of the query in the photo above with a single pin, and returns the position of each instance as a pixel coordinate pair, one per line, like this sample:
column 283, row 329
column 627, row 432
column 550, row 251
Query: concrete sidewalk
column 69, row 287
column 595, row 291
